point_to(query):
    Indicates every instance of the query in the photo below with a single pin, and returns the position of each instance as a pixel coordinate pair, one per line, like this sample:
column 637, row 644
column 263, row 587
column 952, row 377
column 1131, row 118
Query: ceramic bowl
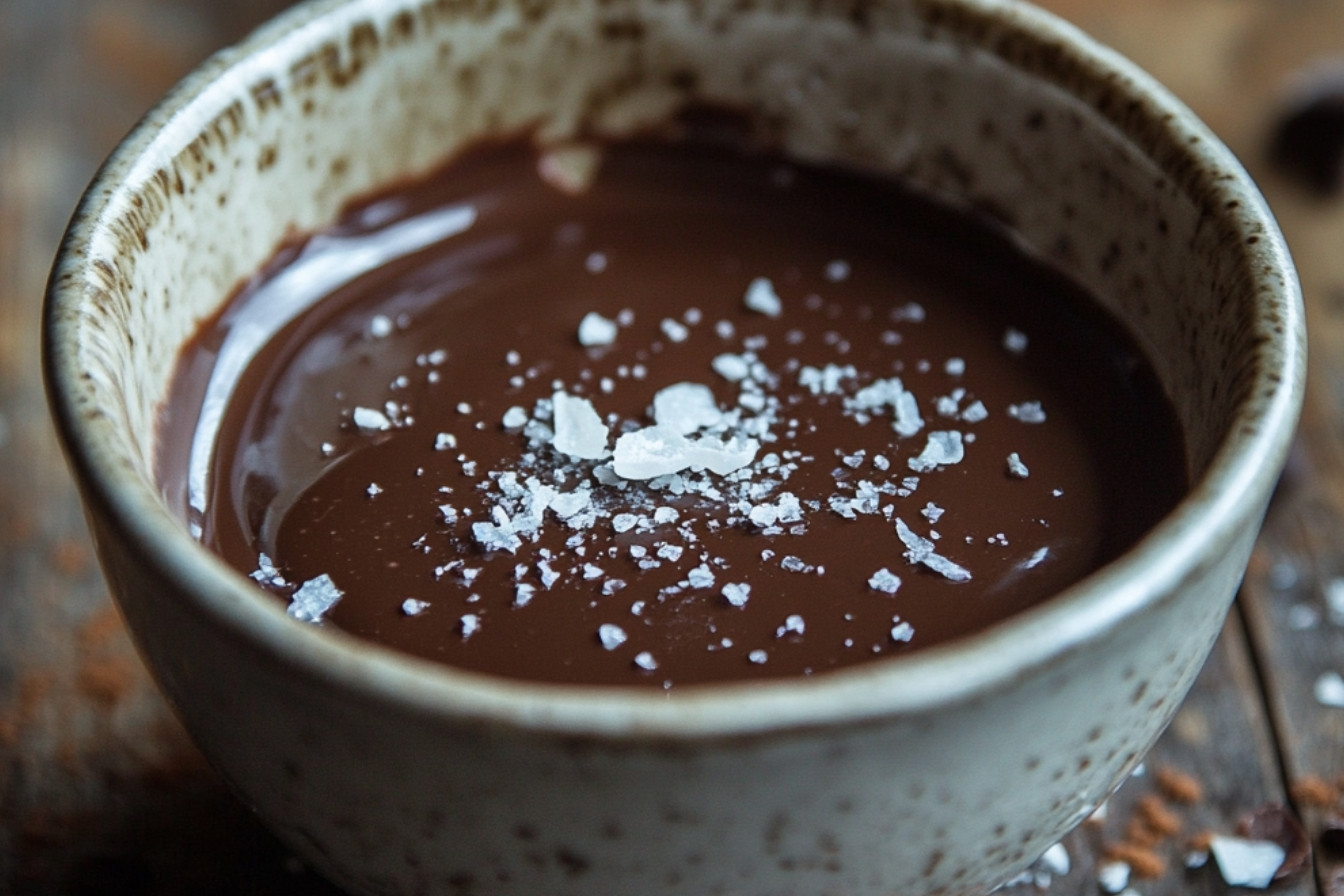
column 943, row 772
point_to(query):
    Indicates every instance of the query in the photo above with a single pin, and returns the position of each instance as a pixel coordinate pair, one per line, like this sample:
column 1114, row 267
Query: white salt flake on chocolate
column 736, row 593
column 445, row 441
column 757, row 657
column 825, row 380
column 685, row 408
column 596, row 330
column 943, row 448
column 380, row 326
column 793, row 625
column 674, row 329
column 901, row 632
column 975, row 412
column 1329, row 690
column 624, row 522
column 267, row 573
column 954, row 366
column 837, row 271
column 413, row 607
column 885, row 581
column 314, row 599
column 522, row 594
column 1016, row 468
column 701, row 577
column 468, row 625
column 791, row 563
column 592, row 572
column 1015, row 341
column 611, row 586
column 1035, row 559
column 670, row 552
column 1027, row 412
column 611, row 635
column 547, row 575
column 370, row 419
column 762, row 298
column 1246, row 863
column 645, row 661
column 733, row 368
column 496, row 536
column 919, row 550
column 579, row 431
column 654, row 451
column 515, row 418
column 567, row 505
column 374, row 490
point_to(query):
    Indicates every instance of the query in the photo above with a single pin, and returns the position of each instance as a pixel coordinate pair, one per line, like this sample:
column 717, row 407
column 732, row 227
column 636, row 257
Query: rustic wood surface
column 102, row 793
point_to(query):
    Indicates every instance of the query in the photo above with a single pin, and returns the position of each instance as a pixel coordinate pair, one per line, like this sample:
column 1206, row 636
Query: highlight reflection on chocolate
column 886, row 428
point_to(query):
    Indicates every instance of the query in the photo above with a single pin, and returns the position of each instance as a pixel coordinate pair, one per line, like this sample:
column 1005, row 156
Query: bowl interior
column 994, row 106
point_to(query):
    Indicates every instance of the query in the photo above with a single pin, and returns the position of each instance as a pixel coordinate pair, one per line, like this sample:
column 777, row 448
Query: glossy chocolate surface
column 388, row 425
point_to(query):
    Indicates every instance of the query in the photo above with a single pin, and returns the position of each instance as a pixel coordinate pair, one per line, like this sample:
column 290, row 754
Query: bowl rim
column 1233, row 490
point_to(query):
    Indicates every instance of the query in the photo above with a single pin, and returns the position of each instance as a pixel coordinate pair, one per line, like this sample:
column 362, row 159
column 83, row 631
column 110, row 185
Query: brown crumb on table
column 1178, row 787
column 1157, row 817
column 1312, row 790
column 1142, row 862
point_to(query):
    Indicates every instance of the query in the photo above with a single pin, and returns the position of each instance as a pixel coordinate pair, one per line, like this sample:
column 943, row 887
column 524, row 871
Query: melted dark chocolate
column 383, row 355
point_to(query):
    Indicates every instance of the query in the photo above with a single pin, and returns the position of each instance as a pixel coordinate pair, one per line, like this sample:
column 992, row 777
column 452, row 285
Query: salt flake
column 313, row 599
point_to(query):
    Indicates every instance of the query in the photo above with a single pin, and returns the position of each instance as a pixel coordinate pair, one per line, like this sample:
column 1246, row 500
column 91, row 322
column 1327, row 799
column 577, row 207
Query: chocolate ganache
column 662, row 414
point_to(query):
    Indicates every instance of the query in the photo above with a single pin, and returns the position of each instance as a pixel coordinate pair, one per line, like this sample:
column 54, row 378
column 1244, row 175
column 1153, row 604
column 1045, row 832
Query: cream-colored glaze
column 941, row 773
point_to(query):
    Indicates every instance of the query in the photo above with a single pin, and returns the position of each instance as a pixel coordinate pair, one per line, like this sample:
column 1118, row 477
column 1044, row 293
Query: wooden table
column 100, row 790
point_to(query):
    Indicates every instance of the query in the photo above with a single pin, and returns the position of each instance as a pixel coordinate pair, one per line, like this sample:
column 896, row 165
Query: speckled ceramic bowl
column 939, row 773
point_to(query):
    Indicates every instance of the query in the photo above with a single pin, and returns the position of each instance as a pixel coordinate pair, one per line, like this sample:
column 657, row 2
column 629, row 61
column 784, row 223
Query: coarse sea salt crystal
column 496, row 536
column 313, row 599
column 793, row 624
column 514, row 418
column 975, row 412
column 943, row 448
column 611, row 636
column 885, row 581
column 701, row 577
column 654, row 451
column 1246, row 863
column 825, row 380
column 733, row 368
column 758, row 657
column 1015, row 340
column 1027, row 412
column 412, row 607
column 645, row 661
column 468, row 625
column 1016, row 468
column 901, row 632
column 674, row 329
column 380, row 326
column 685, row 407
column 596, row 330
column 736, row 593
column 370, row 420
column 762, row 298
column 579, row 431
column 920, row 550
